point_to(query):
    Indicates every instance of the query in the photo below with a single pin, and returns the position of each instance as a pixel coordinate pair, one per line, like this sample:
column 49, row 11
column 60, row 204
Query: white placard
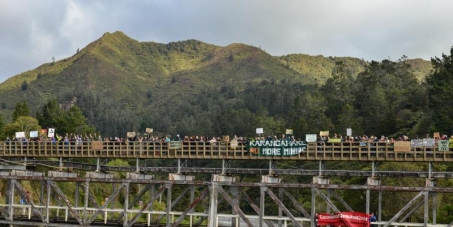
column 33, row 134
column 20, row 134
column 349, row 132
column 259, row 131
column 443, row 145
column 51, row 132
column 311, row 138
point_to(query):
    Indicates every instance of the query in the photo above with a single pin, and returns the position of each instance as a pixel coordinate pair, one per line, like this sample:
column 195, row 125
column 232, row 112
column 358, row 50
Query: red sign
column 350, row 219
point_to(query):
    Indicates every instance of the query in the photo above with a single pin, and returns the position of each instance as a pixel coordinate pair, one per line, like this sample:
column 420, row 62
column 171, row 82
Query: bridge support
column 272, row 180
column 61, row 174
column 372, row 181
column 63, row 212
column 139, row 176
column 214, row 189
column 99, row 175
column 431, row 183
column 98, row 164
column 320, row 180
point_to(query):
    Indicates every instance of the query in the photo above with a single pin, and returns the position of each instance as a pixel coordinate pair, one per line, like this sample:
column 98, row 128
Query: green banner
column 276, row 147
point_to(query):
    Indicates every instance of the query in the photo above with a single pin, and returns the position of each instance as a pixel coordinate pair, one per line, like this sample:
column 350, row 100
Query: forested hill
column 189, row 87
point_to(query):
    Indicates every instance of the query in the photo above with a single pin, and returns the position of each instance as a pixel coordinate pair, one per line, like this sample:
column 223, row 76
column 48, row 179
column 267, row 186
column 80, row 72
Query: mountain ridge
column 117, row 41
column 116, row 71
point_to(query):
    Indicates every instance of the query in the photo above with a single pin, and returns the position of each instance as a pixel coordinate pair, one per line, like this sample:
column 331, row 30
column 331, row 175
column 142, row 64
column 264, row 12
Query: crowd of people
column 382, row 138
column 76, row 138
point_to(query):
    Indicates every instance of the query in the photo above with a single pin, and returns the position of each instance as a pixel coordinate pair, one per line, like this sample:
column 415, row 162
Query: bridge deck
column 349, row 151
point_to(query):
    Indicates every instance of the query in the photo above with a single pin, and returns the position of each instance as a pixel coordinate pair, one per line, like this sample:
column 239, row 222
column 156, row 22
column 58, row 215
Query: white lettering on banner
column 292, row 151
column 271, row 151
column 275, row 143
column 359, row 218
column 276, row 147
column 345, row 216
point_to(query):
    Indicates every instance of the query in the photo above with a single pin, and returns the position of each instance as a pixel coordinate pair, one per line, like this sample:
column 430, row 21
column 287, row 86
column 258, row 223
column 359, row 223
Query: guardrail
column 346, row 151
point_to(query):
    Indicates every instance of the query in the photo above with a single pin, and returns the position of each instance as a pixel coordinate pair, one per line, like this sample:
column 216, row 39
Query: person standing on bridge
column 372, row 219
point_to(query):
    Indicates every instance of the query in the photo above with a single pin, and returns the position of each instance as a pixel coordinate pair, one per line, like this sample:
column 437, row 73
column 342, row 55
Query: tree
column 2, row 126
column 382, row 93
column 339, row 98
column 307, row 114
column 22, row 124
column 75, row 122
column 24, row 85
column 21, row 110
column 51, row 115
column 72, row 120
column 440, row 91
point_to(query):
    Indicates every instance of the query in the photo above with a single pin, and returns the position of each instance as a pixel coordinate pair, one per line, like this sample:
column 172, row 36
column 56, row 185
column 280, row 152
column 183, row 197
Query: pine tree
column 21, row 110
column 440, row 90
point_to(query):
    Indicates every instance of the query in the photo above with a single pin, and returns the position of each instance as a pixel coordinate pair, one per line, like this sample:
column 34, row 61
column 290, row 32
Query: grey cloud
column 34, row 31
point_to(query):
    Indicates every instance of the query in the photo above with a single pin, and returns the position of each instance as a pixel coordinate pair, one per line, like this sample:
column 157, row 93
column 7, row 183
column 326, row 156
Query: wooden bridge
column 50, row 205
column 346, row 151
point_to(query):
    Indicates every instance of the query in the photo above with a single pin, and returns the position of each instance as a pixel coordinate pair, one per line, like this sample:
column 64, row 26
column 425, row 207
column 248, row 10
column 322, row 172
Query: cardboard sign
column 288, row 131
column 333, row 140
column 402, row 146
column 324, row 133
column 149, row 130
column 97, row 145
column 130, row 134
column 234, row 143
column 226, row 139
column 436, row 135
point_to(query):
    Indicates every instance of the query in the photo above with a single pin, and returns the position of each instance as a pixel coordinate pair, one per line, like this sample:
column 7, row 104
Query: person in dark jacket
column 372, row 218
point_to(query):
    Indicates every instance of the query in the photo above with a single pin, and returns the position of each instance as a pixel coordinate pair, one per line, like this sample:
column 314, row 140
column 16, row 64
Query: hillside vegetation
column 123, row 85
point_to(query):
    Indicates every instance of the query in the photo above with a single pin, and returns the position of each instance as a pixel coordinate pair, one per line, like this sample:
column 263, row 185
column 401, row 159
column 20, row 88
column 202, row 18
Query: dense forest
column 116, row 85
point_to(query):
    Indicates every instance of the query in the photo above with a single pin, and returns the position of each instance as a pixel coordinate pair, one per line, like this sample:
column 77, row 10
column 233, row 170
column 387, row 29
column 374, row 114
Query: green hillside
column 420, row 67
column 319, row 67
column 122, row 84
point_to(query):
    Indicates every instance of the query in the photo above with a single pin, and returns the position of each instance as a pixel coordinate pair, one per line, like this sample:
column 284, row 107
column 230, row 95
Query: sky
column 32, row 32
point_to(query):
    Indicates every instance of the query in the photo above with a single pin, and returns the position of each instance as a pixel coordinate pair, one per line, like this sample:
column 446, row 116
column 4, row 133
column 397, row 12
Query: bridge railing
column 360, row 151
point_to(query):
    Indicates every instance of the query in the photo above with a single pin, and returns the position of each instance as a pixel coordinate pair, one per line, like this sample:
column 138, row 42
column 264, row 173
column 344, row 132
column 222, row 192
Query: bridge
column 346, row 151
column 221, row 200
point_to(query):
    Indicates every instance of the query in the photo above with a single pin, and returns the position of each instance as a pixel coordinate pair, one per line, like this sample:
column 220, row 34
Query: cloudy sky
column 32, row 31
